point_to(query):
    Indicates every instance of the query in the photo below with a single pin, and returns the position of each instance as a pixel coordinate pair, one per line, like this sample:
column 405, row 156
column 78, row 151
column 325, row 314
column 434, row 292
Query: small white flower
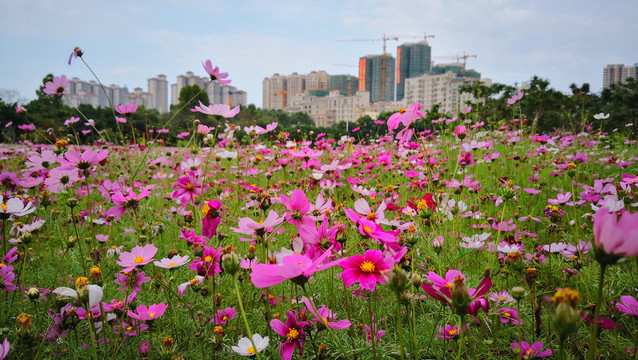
column 245, row 347
column 601, row 116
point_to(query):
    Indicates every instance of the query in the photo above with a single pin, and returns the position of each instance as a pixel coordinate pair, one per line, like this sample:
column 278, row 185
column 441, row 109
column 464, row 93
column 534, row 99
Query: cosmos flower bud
column 144, row 348
column 72, row 202
column 33, row 293
column 230, row 263
column 398, row 280
column 81, row 287
column 518, row 293
column 565, row 317
column 460, row 294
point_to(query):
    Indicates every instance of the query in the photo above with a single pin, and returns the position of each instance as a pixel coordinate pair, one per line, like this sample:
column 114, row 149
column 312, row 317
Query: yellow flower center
column 152, row 315
column 208, row 258
column 190, row 187
column 367, row 229
column 4, row 207
column 205, row 209
column 138, row 259
column 81, row 282
column 293, row 334
column 250, row 350
column 401, row 110
column 421, row 204
column 367, row 267
column 171, row 264
column 371, row 216
column 452, row 332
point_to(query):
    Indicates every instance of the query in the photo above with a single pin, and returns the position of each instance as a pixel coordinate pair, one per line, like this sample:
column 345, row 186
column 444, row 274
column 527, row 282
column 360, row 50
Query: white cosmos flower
column 95, row 293
column 15, row 207
column 245, row 347
column 601, row 116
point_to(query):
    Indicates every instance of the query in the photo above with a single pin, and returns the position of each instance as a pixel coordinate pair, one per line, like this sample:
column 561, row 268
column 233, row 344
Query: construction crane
column 385, row 38
column 458, row 59
column 348, row 76
column 284, row 92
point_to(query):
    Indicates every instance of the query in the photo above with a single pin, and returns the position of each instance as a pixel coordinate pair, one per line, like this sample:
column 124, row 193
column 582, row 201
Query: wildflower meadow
column 465, row 239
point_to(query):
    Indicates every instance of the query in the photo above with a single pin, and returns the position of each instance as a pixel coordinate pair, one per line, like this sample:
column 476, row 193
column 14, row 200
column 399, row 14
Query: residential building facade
column 618, row 73
column 371, row 76
column 443, row 89
column 413, row 59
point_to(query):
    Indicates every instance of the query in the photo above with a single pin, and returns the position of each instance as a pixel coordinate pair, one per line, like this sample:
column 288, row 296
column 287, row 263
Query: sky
column 127, row 42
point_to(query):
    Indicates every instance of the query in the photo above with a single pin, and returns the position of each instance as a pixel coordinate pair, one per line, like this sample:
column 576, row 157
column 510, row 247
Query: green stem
column 400, row 326
column 462, row 331
column 93, row 344
column 243, row 315
column 373, row 330
column 332, row 334
column 593, row 341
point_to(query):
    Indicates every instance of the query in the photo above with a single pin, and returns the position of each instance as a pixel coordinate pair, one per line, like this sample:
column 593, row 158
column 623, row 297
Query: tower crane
column 385, row 38
column 458, row 58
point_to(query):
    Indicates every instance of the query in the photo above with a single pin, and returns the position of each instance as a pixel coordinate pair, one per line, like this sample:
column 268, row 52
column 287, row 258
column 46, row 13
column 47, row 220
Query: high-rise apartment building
column 413, row 59
column 371, row 76
column 158, row 88
column 278, row 89
column 330, row 109
column 346, row 84
column 618, row 73
column 91, row 93
column 217, row 93
column 442, row 89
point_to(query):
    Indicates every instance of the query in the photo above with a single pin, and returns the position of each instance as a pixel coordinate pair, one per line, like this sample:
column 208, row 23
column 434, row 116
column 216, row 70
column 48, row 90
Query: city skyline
column 563, row 42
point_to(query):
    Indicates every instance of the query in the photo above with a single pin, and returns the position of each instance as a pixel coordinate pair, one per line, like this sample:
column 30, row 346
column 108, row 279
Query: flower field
column 464, row 241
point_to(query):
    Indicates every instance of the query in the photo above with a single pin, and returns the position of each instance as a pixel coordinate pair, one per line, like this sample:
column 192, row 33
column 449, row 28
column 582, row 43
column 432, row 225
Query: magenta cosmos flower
column 296, row 267
column 57, row 86
column 224, row 315
column 298, row 207
column 222, row 110
column 138, row 256
column 148, row 313
column 442, row 289
column 211, row 219
column 615, row 239
column 208, row 264
column 293, row 331
column 450, row 332
column 187, row 187
column 531, row 351
column 367, row 269
column 214, row 73
column 76, row 53
column 251, row 227
column 325, row 316
column 628, row 305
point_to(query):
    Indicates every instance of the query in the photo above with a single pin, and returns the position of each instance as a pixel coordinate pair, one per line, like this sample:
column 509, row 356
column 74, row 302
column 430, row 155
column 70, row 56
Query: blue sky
column 127, row 42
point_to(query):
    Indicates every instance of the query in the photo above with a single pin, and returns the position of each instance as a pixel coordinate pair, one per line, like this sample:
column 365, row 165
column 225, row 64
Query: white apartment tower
column 443, row 89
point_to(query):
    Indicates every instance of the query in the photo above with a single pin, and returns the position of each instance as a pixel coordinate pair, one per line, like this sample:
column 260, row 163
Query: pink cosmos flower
column 27, row 127
column 615, row 239
column 131, row 280
column 211, row 219
column 374, row 331
column 460, row 132
column 325, row 316
column 509, row 316
column 20, row 110
column 203, row 129
column 72, row 120
column 148, row 313
column 187, row 187
column 531, row 351
column 6, row 278
column 560, row 198
column 14, row 207
column 124, row 202
column 362, row 208
column 319, row 239
column 222, row 110
column 296, row 267
column 43, row 160
column 294, row 333
column 126, row 109
column 367, row 269
column 60, row 179
column 208, row 264
column 224, row 315
column 57, row 86
column 138, row 256
column 214, row 73
column 298, row 206
column 84, row 161
column 249, row 226
column 511, row 101
column 628, row 305
column 173, row 262
column 76, row 53
column 373, row 231
column 450, row 332
column 441, row 289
